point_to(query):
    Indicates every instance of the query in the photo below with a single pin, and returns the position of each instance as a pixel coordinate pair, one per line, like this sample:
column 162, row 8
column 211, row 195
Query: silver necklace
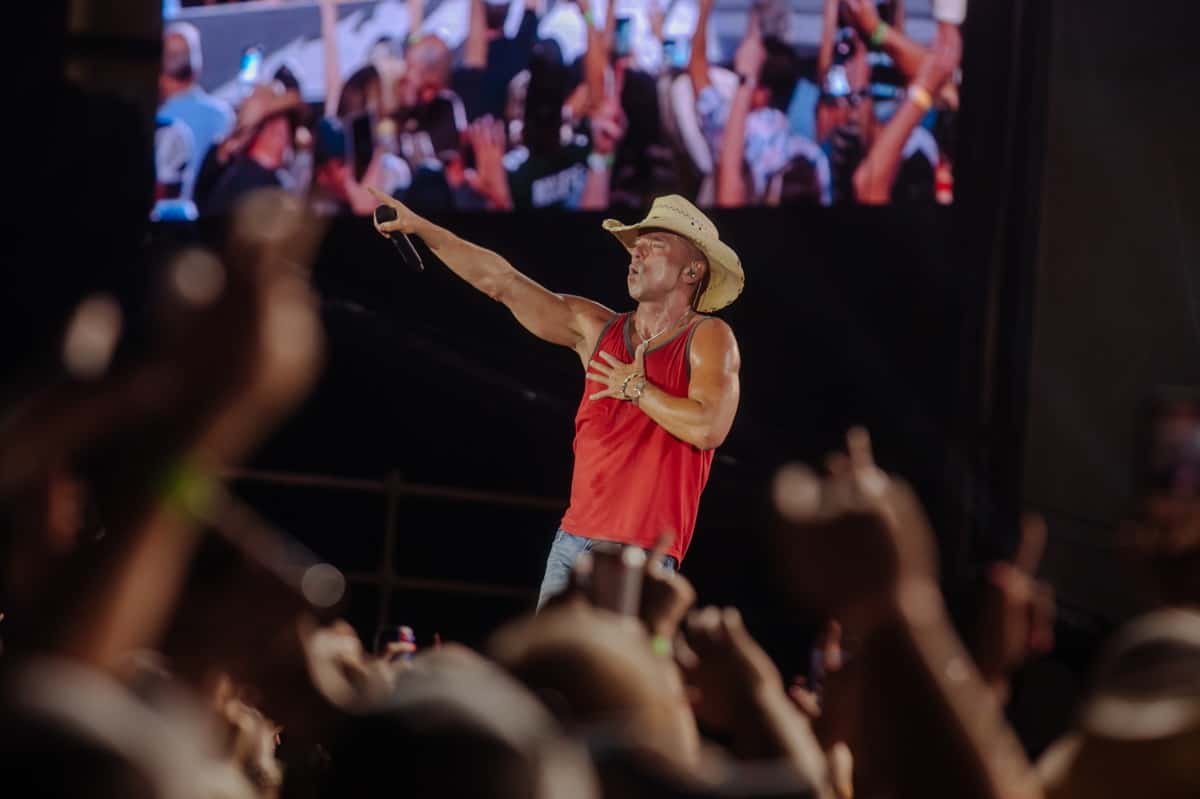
column 647, row 341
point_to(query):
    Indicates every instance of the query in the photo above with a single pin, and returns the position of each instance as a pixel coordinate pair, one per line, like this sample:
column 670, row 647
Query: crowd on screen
column 526, row 121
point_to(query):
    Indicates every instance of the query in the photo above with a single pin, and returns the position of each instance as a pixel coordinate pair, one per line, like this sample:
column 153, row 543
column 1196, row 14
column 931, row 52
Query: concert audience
column 599, row 118
column 181, row 652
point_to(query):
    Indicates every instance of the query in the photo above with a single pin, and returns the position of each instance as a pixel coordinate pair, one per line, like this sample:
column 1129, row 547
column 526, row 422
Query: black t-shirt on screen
column 243, row 174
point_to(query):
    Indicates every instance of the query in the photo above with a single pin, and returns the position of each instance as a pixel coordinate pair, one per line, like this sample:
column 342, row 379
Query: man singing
column 661, row 388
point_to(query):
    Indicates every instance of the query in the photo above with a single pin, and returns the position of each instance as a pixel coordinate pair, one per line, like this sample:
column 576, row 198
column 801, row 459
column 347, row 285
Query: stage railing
column 395, row 489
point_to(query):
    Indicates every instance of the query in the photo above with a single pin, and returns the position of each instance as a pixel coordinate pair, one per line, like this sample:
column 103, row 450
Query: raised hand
column 615, row 375
column 750, row 55
column 943, row 59
column 730, row 667
column 489, row 178
column 608, row 126
column 863, row 15
column 856, row 543
column 1017, row 617
column 666, row 595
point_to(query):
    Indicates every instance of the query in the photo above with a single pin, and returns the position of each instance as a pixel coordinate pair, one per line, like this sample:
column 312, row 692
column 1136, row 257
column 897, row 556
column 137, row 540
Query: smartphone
column 623, row 37
column 1167, row 461
column 616, row 581
column 676, row 52
column 251, row 64
column 362, row 143
column 402, row 637
column 837, row 83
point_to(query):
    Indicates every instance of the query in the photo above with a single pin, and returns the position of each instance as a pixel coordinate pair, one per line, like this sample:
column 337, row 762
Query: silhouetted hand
column 1017, row 616
column 666, row 595
column 855, row 543
column 730, row 667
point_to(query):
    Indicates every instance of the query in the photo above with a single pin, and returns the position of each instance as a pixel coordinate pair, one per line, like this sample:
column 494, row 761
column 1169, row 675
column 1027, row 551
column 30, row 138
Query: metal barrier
column 394, row 488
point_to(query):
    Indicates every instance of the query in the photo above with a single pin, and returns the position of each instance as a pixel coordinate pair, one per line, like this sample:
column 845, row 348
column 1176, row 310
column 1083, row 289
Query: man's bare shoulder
column 713, row 339
column 714, row 332
column 589, row 312
column 590, row 319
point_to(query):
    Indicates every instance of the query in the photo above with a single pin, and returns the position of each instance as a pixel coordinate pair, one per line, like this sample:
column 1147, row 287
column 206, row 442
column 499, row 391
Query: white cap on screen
column 191, row 35
column 952, row 11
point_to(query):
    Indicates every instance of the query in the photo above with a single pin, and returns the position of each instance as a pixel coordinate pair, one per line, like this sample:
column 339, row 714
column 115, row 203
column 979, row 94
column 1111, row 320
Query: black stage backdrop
column 850, row 316
column 913, row 323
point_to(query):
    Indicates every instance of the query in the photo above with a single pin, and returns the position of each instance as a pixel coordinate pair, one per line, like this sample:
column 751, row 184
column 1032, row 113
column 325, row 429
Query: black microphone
column 401, row 241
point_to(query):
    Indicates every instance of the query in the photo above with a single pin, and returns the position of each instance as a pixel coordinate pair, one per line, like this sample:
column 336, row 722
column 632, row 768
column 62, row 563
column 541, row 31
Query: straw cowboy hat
column 266, row 100
column 676, row 215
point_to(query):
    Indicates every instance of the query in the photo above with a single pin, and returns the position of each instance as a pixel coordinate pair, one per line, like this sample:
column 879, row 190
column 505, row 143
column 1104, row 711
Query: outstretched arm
column 697, row 67
column 704, row 416
column 563, row 319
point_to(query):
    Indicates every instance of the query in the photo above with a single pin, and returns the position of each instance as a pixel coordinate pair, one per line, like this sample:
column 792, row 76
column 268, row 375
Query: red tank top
column 633, row 480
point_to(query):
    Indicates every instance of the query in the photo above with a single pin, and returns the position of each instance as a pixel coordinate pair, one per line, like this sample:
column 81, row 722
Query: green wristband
column 879, row 35
column 188, row 490
column 662, row 646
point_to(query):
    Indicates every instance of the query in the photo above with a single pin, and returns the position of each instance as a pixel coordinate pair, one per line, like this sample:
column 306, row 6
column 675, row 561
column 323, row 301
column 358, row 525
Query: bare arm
column 333, row 75
column 748, row 61
column 731, row 182
column 904, row 51
column 874, row 177
column 697, row 67
column 416, row 18
column 704, row 416
column 563, row 319
column 928, row 706
column 475, row 51
column 828, row 30
column 950, row 734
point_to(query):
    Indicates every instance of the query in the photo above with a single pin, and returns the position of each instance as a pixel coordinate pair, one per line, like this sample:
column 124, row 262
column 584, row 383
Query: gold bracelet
column 920, row 96
column 640, row 387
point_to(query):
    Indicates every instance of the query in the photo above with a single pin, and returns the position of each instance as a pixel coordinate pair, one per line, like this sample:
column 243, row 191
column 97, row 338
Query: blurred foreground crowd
column 537, row 120
column 162, row 641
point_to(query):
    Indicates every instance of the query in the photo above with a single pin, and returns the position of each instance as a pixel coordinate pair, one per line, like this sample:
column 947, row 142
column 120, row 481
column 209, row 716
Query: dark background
column 849, row 316
column 1118, row 276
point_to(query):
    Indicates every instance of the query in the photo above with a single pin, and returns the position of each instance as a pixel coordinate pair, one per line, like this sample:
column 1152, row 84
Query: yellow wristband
column 662, row 646
column 188, row 490
column 920, row 97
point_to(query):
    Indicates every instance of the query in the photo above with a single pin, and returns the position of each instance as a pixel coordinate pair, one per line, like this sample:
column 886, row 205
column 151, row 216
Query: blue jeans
column 563, row 552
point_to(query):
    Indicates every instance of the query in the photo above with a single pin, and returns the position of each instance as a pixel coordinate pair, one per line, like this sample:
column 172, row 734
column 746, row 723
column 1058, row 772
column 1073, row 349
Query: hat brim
column 726, row 276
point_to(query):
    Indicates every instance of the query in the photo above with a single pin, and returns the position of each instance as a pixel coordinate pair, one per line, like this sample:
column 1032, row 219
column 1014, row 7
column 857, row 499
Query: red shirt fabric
column 633, row 480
